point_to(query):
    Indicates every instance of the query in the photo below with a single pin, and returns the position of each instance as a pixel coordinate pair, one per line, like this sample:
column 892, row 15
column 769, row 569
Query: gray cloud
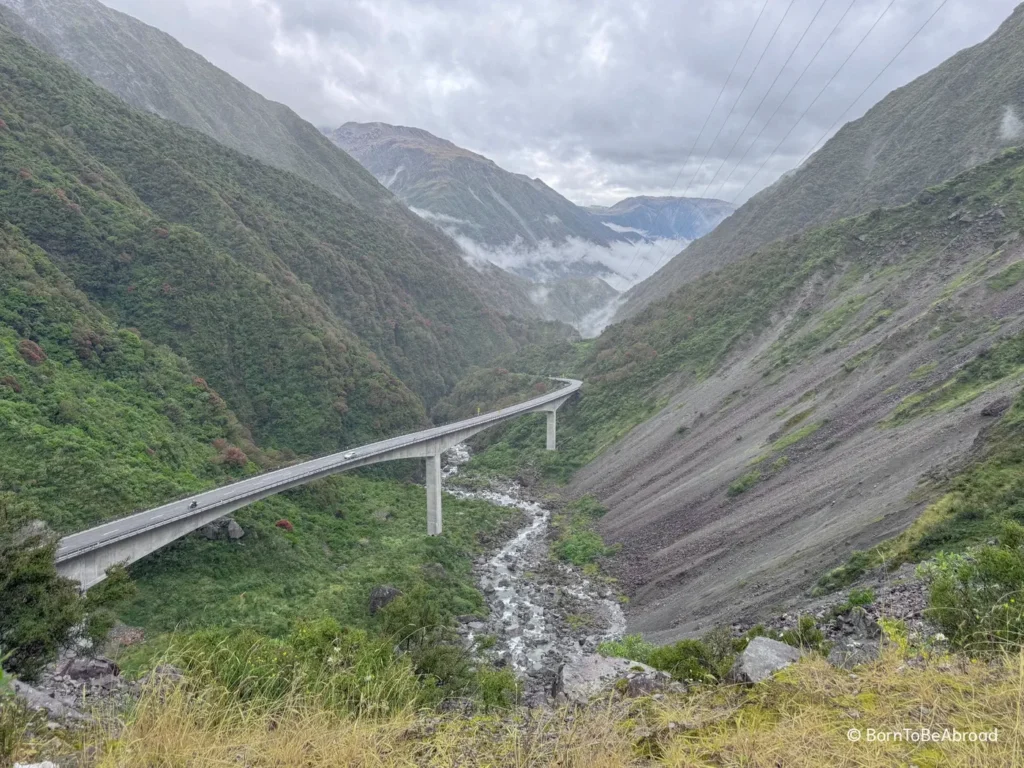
column 601, row 99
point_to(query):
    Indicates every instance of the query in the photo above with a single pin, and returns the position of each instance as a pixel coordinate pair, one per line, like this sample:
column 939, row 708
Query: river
column 542, row 611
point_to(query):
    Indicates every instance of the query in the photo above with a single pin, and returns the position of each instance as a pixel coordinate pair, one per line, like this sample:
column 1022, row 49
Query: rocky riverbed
column 543, row 613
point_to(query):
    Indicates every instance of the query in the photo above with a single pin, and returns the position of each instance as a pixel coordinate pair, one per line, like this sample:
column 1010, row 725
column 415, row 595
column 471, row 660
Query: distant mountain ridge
column 960, row 114
column 468, row 193
column 665, row 217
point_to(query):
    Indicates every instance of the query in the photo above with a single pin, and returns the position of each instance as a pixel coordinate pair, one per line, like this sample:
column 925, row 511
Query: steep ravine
column 542, row 612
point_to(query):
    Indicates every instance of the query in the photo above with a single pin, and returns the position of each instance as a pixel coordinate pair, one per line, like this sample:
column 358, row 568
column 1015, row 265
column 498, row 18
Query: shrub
column 744, row 484
column 632, row 647
column 31, row 352
column 499, row 688
column 976, row 600
column 285, row 525
column 580, row 547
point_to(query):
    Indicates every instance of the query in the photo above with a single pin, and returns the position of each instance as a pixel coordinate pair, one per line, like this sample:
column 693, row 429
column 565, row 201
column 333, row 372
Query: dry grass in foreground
column 800, row 718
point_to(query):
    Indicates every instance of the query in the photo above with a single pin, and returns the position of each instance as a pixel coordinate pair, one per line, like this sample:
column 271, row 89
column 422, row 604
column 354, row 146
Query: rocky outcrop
column 584, row 677
column 225, row 529
column 997, row 407
column 381, row 595
column 761, row 659
column 859, row 639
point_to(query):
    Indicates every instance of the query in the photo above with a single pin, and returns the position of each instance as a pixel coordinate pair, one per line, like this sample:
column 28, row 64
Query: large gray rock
column 224, row 529
column 56, row 708
column 584, row 677
column 86, row 668
column 381, row 595
column 761, row 659
column 859, row 642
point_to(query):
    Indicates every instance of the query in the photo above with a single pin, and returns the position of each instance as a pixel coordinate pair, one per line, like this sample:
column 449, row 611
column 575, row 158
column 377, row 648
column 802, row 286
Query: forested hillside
column 95, row 420
column 959, row 114
column 276, row 291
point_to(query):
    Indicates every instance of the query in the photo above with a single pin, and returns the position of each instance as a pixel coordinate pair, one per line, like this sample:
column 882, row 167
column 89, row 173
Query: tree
column 40, row 610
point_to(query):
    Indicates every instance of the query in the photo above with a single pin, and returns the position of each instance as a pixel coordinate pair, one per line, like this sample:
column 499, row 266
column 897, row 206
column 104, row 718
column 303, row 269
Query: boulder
column 224, row 529
column 997, row 407
column 85, row 669
column 38, row 700
column 381, row 595
column 589, row 675
column 861, row 642
column 761, row 659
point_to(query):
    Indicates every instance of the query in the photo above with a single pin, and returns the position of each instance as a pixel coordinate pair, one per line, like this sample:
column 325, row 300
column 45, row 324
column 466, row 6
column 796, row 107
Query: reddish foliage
column 150, row 451
column 24, row 174
column 10, row 381
column 161, row 232
column 167, row 288
column 341, row 406
column 285, row 525
column 200, row 382
column 220, row 443
column 3, row 125
column 501, row 371
column 130, row 289
column 235, row 457
column 85, row 342
column 540, row 387
column 125, row 258
column 31, row 352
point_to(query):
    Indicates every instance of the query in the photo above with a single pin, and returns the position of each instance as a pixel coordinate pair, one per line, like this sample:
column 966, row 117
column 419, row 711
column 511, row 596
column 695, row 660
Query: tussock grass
column 799, row 718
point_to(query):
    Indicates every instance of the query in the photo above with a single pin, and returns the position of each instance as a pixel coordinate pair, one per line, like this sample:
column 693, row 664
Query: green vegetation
column 349, row 535
column 709, row 659
column 1008, row 277
column 314, row 320
column 95, row 421
column 1004, row 360
column 40, row 611
column 977, row 599
column 488, row 389
column 744, row 483
column 576, row 541
column 786, row 441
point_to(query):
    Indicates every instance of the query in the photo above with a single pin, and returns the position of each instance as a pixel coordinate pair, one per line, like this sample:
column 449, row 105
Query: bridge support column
column 434, row 495
column 551, row 430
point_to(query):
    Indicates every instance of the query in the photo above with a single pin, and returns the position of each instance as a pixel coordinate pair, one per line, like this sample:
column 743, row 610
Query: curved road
column 212, row 504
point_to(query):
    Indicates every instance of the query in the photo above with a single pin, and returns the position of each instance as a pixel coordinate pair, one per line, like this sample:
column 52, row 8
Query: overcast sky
column 601, row 99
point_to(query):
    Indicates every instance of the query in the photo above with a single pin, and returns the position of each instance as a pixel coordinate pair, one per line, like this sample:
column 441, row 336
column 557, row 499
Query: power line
column 796, row 82
column 740, row 97
column 815, row 101
column 689, row 154
column 764, row 98
column 877, row 77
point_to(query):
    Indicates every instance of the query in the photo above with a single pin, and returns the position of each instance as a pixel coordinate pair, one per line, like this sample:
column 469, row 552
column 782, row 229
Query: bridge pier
column 434, row 495
column 551, row 430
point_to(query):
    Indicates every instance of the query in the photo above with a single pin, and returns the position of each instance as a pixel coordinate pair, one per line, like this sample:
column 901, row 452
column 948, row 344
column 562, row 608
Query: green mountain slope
column 957, row 115
column 152, row 71
column 95, row 420
column 270, row 286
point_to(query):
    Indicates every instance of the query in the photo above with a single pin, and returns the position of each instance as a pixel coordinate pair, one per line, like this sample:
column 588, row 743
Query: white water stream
column 527, row 614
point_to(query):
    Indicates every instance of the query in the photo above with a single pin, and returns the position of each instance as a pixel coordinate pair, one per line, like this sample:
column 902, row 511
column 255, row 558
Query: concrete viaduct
column 86, row 556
